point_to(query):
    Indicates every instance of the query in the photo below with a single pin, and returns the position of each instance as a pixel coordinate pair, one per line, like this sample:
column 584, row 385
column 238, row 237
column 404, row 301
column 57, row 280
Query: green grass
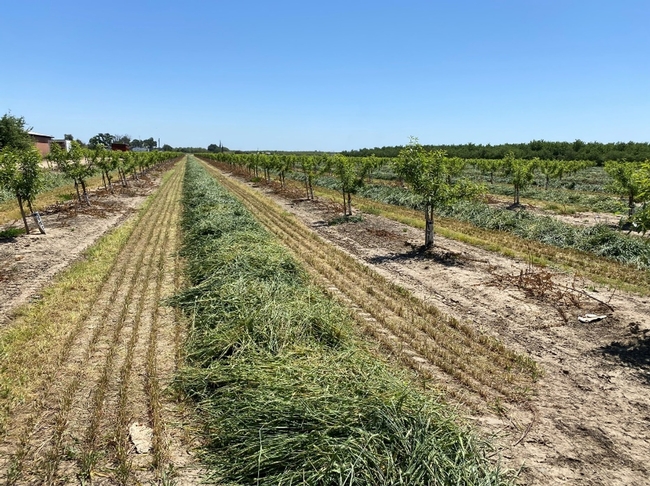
column 345, row 219
column 288, row 393
column 11, row 233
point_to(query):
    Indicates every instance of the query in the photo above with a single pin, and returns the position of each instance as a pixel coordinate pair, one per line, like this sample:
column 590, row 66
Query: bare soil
column 29, row 262
column 588, row 419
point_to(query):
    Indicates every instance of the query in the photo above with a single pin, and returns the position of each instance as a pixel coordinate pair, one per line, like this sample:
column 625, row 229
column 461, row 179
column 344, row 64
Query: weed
column 344, row 219
column 11, row 233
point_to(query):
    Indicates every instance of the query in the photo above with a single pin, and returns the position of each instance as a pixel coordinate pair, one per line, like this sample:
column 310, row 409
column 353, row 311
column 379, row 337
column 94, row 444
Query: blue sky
column 335, row 75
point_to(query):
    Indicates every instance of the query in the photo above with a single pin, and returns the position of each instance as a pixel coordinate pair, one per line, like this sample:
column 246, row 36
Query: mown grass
column 288, row 394
column 38, row 334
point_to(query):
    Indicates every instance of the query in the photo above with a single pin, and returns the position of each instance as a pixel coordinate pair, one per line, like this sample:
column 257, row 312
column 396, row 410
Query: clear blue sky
column 329, row 75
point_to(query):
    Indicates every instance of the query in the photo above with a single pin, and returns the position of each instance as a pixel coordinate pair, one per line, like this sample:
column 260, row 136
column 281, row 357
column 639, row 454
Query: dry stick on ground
column 538, row 283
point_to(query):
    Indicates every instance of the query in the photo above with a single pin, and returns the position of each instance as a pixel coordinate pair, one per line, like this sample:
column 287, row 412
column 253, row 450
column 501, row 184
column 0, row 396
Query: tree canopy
column 542, row 149
column 13, row 132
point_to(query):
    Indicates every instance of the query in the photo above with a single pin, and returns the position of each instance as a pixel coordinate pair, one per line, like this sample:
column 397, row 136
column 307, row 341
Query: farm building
column 122, row 147
column 42, row 142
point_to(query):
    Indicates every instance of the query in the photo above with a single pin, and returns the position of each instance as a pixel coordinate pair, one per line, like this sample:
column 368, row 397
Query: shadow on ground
column 635, row 353
column 447, row 258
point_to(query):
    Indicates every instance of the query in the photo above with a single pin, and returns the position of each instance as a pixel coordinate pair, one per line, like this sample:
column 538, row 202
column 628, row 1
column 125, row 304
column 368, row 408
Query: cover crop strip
column 288, row 393
column 473, row 368
column 48, row 437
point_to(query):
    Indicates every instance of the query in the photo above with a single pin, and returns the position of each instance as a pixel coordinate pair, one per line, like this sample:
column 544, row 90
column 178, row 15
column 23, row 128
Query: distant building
column 42, row 142
column 122, row 147
column 139, row 149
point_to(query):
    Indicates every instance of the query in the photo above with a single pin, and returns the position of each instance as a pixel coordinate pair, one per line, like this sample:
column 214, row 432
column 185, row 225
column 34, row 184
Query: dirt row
column 587, row 419
column 104, row 414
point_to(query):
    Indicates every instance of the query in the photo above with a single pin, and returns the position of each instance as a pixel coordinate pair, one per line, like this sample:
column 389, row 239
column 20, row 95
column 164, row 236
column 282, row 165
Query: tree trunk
column 428, row 230
column 350, row 203
column 22, row 212
column 516, row 194
column 630, row 204
column 546, row 185
column 76, row 187
column 83, row 186
column 345, row 207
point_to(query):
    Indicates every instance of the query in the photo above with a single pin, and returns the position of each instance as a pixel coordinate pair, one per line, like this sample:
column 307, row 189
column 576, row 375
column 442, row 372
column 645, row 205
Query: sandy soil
column 588, row 421
column 29, row 262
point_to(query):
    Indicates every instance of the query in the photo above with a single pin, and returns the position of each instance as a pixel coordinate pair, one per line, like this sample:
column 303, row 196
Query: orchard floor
column 588, row 419
column 100, row 409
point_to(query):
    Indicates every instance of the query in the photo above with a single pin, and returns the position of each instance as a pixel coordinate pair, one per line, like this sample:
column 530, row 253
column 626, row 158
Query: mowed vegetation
column 288, row 392
column 93, row 356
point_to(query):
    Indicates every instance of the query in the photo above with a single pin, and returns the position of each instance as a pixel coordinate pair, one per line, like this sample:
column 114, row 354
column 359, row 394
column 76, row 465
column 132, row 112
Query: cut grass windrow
column 141, row 255
column 416, row 331
column 288, row 393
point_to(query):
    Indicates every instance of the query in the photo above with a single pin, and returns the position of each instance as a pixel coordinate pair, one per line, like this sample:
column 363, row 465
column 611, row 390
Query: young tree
column 520, row 173
column 550, row 169
column 284, row 164
column 624, row 181
column 489, row 167
column 641, row 219
column 101, row 158
column 20, row 174
column 75, row 166
column 371, row 165
column 309, row 165
column 428, row 175
column 350, row 172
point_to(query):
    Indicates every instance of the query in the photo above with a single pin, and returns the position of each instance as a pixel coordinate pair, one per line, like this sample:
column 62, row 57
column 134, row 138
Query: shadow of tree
column 635, row 353
column 447, row 258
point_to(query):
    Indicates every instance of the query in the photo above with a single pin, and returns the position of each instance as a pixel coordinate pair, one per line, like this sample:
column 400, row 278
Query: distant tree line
column 106, row 140
column 594, row 151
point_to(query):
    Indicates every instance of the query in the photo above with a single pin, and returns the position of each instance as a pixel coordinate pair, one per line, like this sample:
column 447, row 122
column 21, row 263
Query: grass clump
column 288, row 394
column 11, row 233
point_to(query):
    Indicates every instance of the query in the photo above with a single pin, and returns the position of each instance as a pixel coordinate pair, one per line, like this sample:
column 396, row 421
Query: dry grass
column 84, row 300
